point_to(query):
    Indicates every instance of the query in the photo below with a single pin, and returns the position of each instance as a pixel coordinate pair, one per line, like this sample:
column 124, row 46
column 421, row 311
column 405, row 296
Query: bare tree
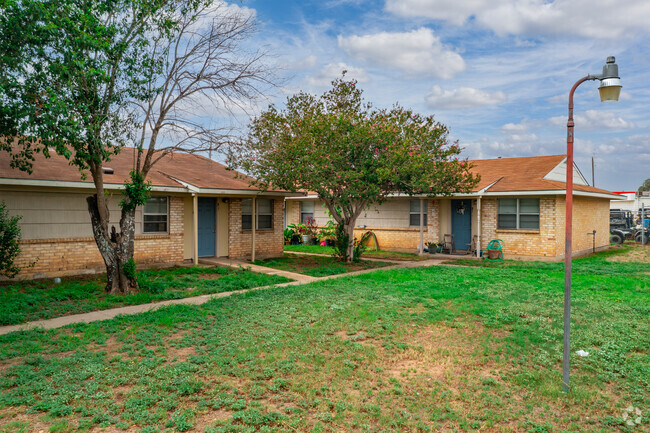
column 203, row 69
column 161, row 71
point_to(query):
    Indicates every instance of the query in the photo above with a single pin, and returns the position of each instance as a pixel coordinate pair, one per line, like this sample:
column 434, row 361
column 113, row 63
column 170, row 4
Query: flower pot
column 306, row 239
column 295, row 240
column 314, row 241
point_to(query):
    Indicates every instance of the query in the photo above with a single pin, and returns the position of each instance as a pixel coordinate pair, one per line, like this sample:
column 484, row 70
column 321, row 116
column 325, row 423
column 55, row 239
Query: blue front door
column 207, row 226
column 461, row 222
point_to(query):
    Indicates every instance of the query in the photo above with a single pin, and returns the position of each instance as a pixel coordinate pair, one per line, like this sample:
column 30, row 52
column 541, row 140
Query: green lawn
column 408, row 350
column 317, row 266
column 380, row 254
column 42, row 299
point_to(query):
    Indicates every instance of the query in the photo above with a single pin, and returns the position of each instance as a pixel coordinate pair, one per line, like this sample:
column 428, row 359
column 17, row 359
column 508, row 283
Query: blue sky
column 496, row 72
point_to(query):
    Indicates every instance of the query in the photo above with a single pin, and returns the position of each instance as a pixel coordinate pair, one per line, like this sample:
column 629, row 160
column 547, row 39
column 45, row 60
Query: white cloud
column 591, row 18
column 516, row 145
column 333, row 70
column 595, row 119
column 521, row 127
column 463, row 97
column 418, row 52
column 304, row 63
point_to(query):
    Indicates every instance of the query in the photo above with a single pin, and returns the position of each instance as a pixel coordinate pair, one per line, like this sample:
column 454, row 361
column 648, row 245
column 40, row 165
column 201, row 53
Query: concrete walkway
column 96, row 316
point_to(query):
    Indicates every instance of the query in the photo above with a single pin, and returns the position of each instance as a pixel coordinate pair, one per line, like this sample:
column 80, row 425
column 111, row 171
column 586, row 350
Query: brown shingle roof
column 506, row 174
column 196, row 170
column 522, row 174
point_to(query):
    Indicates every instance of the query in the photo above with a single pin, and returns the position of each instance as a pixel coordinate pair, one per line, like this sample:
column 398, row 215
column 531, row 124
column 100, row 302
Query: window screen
column 414, row 213
column 155, row 215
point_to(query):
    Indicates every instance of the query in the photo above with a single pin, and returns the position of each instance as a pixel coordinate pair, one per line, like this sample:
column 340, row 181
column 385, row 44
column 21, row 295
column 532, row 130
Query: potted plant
column 299, row 231
column 295, row 237
column 311, row 231
column 434, row 247
column 288, row 235
column 328, row 233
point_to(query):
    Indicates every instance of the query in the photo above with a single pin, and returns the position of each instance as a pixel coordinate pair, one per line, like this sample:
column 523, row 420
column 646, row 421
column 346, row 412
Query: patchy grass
column 632, row 253
column 317, row 266
column 613, row 261
column 42, row 299
column 406, row 350
column 380, row 254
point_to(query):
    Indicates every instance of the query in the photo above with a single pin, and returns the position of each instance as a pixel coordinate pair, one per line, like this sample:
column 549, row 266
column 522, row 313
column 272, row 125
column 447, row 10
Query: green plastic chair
column 494, row 245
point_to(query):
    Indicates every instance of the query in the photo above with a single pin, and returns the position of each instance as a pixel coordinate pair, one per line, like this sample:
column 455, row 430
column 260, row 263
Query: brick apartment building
column 518, row 200
column 197, row 209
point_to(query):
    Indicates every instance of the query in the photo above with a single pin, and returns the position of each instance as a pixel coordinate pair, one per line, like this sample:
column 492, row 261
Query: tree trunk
column 116, row 248
column 349, row 230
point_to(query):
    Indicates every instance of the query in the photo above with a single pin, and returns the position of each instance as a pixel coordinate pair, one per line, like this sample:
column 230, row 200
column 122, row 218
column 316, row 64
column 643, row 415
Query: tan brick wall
column 293, row 211
column 268, row 243
column 548, row 242
column 70, row 256
column 588, row 214
column 539, row 243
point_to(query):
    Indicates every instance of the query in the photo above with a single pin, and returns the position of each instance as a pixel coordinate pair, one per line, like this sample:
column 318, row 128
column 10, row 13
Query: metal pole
column 568, row 247
column 593, row 180
column 642, row 223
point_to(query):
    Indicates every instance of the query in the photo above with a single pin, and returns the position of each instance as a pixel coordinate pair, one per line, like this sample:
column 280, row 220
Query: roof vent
column 107, row 170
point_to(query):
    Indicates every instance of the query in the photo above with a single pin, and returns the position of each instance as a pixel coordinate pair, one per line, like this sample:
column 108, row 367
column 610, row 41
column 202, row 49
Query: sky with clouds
column 496, row 72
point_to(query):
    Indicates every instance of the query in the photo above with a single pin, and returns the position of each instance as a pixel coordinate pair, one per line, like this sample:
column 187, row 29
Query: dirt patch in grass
column 120, row 393
column 111, row 346
column 637, row 253
column 441, row 353
column 11, row 420
column 210, row 276
column 210, row 418
column 180, row 354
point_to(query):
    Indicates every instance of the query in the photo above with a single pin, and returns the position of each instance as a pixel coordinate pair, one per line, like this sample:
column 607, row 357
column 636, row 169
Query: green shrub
column 360, row 246
column 129, row 268
column 9, row 242
column 341, row 242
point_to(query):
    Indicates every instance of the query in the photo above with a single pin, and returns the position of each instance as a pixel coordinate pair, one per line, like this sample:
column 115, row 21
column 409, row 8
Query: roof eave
column 191, row 189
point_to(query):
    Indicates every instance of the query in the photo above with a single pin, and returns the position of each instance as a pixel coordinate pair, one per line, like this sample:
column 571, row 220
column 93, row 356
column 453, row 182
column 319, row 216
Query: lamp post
column 610, row 89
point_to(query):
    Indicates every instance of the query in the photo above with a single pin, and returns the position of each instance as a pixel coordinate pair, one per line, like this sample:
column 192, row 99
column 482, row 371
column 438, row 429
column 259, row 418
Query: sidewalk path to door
column 96, row 316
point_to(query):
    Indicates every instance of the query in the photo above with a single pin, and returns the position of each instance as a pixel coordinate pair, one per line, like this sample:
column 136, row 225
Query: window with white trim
column 414, row 213
column 306, row 211
column 155, row 215
column 518, row 213
column 264, row 211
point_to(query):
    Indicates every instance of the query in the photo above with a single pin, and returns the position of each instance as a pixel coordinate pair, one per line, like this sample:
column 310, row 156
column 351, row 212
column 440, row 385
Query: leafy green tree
column 9, row 242
column 351, row 154
column 84, row 78
column 645, row 186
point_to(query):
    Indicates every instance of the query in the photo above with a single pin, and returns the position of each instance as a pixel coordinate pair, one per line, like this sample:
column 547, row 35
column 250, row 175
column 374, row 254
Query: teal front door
column 461, row 222
column 207, row 224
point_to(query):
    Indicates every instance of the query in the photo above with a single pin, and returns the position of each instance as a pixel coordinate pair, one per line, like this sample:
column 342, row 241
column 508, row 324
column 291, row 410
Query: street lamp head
column 610, row 83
